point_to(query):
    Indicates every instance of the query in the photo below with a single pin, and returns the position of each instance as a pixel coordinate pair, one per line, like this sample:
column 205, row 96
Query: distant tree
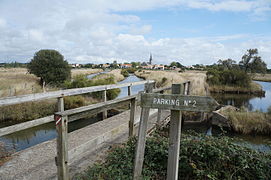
column 135, row 64
column 251, row 62
column 226, row 64
column 50, row 66
column 173, row 64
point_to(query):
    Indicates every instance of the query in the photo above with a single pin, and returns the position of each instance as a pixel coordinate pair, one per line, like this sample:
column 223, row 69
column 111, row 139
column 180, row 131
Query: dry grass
column 198, row 84
column 261, row 77
column 116, row 74
column 250, row 122
column 254, row 88
column 16, row 81
column 86, row 71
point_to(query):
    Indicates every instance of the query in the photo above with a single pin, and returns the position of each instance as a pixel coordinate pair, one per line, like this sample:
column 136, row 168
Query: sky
column 101, row 31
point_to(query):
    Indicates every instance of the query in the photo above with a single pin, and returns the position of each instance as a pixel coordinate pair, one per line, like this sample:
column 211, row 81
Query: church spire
column 150, row 61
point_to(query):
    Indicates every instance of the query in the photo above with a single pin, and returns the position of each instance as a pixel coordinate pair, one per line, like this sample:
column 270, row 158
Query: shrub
column 201, row 157
column 72, row 102
column 124, row 72
column 232, row 77
column 82, row 81
column 50, row 66
column 131, row 70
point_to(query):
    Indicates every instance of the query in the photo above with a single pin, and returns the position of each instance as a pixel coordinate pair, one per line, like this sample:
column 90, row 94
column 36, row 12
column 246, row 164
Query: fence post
column 62, row 143
column 132, row 117
column 140, row 146
column 129, row 90
column 104, row 100
column 174, row 138
column 159, row 112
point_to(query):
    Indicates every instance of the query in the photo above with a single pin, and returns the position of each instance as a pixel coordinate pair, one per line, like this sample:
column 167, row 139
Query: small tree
column 50, row 66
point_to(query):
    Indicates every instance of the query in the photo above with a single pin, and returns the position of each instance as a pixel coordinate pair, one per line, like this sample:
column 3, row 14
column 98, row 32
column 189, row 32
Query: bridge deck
column 38, row 161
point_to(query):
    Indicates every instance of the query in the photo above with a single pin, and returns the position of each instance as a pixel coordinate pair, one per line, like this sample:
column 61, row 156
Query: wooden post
column 174, row 138
column 142, row 131
column 159, row 112
column 132, row 117
column 104, row 100
column 129, row 90
column 62, row 143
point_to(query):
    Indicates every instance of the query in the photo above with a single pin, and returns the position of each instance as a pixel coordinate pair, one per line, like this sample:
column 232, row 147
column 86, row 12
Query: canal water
column 249, row 101
column 32, row 136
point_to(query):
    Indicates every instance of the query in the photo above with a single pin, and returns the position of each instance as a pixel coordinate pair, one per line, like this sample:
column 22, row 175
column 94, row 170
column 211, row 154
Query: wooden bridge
column 39, row 162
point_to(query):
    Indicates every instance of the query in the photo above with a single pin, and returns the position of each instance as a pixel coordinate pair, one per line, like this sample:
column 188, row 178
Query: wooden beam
column 62, row 93
column 159, row 112
column 62, row 147
column 104, row 99
column 132, row 117
column 140, row 146
column 174, row 138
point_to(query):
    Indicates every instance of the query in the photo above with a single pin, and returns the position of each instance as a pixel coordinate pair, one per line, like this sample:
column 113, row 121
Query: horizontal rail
column 161, row 89
column 68, row 92
column 95, row 107
column 25, row 125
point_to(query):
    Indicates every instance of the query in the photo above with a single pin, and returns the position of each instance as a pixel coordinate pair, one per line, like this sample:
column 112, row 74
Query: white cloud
column 97, row 31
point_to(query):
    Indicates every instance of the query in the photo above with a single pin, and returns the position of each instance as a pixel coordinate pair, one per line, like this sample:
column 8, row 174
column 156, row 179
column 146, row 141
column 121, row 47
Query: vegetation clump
column 124, row 72
column 50, row 66
column 201, row 157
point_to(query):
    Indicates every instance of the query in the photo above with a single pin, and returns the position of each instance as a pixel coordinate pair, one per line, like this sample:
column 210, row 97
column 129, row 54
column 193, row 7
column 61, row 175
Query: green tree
column 50, row 66
column 251, row 62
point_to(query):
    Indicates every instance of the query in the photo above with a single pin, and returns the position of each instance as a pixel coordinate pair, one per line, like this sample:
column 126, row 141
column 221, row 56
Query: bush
column 232, row 77
column 72, row 102
column 124, row 72
column 50, row 66
column 131, row 70
column 201, row 157
column 82, row 81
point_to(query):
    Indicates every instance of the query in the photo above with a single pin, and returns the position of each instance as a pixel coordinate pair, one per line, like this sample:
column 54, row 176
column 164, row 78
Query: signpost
column 176, row 103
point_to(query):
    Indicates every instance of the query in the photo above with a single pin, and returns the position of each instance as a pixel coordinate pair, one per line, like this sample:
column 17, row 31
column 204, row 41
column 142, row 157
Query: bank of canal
column 32, row 136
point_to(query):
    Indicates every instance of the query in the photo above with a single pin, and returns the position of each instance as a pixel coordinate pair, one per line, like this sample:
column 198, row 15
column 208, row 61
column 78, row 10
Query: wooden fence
column 59, row 95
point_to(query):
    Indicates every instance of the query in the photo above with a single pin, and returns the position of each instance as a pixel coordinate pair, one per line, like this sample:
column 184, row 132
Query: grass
column 261, row 77
column 87, row 71
column 116, row 74
column 254, row 88
column 166, row 78
column 16, row 81
column 250, row 122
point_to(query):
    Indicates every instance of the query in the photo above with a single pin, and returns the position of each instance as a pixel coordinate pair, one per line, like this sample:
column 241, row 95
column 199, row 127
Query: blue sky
column 188, row 31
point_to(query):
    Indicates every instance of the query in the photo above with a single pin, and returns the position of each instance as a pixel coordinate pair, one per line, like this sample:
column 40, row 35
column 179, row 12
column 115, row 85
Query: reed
column 250, row 122
column 261, row 77
column 166, row 78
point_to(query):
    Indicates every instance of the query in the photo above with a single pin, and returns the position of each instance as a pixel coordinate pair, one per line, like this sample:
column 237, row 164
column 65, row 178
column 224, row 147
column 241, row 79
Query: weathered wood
column 104, row 99
column 159, row 112
column 104, row 105
column 161, row 89
column 129, row 90
column 178, row 102
column 140, row 146
column 62, row 93
column 25, row 125
column 62, row 148
column 132, row 117
column 174, row 138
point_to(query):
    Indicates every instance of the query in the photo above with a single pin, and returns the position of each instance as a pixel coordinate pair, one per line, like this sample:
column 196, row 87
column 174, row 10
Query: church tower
column 150, row 61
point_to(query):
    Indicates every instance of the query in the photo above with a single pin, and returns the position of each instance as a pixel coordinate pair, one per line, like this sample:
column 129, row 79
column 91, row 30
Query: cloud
column 103, row 31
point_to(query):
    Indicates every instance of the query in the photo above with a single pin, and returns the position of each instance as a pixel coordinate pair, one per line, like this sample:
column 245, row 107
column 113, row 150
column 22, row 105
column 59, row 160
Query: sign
column 58, row 119
column 178, row 102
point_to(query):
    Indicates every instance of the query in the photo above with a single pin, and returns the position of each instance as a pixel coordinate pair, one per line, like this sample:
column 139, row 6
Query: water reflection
column 249, row 101
column 32, row 136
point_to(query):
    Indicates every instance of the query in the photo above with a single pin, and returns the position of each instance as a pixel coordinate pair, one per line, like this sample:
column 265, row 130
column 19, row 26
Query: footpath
column 38, row 162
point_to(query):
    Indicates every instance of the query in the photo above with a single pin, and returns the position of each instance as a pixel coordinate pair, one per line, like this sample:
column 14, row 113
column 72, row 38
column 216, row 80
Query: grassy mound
column 201, row 157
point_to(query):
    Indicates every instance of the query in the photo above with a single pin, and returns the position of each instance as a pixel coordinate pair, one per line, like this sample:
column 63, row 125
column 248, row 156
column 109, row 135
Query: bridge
column 83, row 146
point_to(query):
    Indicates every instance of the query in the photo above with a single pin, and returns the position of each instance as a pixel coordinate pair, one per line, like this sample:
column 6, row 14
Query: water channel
column 32, row 136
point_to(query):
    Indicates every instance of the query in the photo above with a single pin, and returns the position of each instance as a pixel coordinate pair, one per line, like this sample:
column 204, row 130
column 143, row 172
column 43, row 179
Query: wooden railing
column 59, row 95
